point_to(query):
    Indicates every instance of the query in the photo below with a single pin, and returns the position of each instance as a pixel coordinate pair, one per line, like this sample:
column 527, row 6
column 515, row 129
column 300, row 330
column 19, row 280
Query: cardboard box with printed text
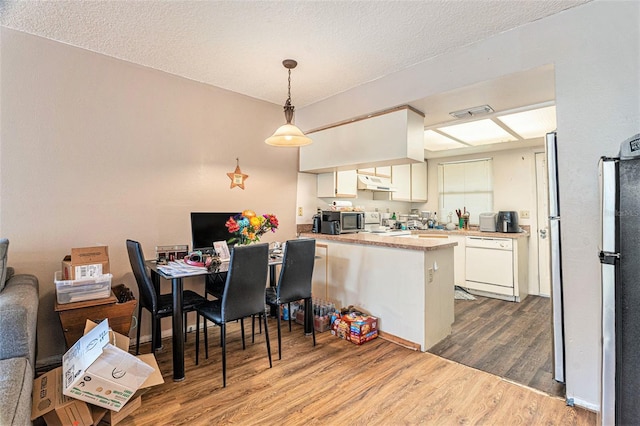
column 60, row 404
column 85, row 262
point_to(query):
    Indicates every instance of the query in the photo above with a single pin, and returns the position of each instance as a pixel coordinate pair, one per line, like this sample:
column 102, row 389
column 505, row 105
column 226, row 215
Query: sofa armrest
column 18, row 317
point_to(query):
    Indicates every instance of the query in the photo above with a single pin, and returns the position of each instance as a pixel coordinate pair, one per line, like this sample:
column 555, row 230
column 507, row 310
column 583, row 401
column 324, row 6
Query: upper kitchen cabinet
column 384, row 171
column 343, row 184
column 375, row 141
column 410, row 181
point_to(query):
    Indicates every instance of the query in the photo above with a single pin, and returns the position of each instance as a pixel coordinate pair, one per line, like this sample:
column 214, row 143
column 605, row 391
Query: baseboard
column 584, row 404
column 49, row 363
column 399, row 340
column 146, row 338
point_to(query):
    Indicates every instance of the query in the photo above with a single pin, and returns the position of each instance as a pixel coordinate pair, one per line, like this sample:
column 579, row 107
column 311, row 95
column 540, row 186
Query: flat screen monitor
column 207, row 228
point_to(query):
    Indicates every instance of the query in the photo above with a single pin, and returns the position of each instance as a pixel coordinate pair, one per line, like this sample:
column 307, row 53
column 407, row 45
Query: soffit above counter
column 386, row 138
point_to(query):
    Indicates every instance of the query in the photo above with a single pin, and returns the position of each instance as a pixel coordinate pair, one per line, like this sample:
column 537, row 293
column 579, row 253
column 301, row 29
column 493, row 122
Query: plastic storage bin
column 68, row 291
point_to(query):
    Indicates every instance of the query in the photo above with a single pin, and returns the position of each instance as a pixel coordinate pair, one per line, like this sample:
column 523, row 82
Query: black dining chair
column 295, row 280
column 159, row 305
column 243, row 296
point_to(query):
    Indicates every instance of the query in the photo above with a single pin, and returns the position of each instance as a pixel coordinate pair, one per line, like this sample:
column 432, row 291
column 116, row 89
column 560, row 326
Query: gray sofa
column 18, row 317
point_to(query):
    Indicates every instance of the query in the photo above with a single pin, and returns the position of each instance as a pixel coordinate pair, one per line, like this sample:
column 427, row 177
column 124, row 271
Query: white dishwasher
column 490, row 267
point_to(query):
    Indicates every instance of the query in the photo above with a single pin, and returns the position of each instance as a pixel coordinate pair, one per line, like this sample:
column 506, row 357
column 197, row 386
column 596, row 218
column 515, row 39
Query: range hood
column 374, row 183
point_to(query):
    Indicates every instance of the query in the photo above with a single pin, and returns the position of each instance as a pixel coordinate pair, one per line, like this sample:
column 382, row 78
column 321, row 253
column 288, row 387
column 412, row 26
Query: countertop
column 402, row 242
column 474, row 231
column 427, row 239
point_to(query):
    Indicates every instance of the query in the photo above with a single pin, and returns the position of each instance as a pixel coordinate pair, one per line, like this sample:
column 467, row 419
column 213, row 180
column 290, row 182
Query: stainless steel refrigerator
column 557, row 317
column 620, row 273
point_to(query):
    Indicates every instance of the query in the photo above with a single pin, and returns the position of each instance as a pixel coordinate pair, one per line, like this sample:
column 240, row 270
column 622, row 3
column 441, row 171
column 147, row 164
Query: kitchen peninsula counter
column 405, row 281
column 373, row 239
column 473, row 232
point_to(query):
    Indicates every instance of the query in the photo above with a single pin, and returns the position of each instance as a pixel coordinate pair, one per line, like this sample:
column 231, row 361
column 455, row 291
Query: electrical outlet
column 299, row 211
column 430, row 274
column 524, row 214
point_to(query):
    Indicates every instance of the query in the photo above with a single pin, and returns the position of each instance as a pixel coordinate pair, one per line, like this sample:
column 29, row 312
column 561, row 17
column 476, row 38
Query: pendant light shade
column 288, row 135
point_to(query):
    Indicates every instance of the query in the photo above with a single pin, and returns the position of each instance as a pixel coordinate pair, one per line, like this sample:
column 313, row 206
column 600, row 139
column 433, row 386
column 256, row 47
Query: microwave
column 336, row 222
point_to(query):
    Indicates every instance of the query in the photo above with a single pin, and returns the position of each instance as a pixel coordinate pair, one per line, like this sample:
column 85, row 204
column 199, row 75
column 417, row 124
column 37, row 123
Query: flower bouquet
column 247, row 227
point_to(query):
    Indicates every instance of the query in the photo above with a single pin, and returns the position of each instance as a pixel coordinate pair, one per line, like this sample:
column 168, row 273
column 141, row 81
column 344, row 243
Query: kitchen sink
column 398, row 233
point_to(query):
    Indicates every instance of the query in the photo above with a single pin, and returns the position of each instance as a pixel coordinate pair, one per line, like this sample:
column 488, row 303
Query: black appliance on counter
column 341, row 222
column 507, row 221
column 330, row 227
column 317, row 221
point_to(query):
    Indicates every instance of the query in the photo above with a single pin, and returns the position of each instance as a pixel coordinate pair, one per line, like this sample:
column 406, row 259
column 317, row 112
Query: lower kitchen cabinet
column 497, row 267
column 459, row 260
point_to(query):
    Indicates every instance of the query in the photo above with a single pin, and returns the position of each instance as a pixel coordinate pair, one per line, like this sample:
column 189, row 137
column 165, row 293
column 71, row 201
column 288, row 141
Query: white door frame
column 542, row 227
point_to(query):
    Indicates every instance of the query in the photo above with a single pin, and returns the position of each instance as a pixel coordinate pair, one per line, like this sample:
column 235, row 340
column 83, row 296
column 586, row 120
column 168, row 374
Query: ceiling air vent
column 472, row 112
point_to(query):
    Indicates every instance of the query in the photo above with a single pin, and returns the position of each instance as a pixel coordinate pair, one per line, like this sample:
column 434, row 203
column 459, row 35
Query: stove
column 371, row 221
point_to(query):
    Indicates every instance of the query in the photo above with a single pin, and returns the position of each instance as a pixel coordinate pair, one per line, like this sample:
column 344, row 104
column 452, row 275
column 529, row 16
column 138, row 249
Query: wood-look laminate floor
column 336, row 382
column 510, row 340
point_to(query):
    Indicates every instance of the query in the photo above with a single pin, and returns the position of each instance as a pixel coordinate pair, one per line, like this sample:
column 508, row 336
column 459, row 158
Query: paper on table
column 179, row 267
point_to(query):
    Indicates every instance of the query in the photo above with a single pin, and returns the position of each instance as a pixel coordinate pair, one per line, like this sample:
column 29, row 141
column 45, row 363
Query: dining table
column 176, row 271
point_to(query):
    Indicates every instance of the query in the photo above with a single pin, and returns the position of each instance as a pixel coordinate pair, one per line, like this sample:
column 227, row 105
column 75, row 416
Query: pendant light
column 288, row 134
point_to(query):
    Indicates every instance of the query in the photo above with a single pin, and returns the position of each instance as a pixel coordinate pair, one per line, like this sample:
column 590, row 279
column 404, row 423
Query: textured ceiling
column 239, row 45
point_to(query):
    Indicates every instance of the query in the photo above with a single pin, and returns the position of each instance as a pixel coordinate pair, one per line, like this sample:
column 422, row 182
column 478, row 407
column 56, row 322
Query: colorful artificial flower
column 247, row 227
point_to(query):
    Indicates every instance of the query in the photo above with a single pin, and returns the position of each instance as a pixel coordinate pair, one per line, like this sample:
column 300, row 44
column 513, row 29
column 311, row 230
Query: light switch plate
column 299, row 211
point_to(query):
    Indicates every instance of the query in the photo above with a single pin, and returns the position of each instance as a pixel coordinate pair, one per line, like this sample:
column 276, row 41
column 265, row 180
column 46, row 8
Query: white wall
column 594, row 49
column 98, row 150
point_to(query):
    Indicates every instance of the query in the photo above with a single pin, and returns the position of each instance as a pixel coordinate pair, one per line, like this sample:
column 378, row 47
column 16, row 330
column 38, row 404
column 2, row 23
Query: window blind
column 465, row 184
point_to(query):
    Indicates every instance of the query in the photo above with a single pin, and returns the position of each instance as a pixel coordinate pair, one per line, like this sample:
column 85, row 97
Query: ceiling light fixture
column 288, row 134
column 472, row 112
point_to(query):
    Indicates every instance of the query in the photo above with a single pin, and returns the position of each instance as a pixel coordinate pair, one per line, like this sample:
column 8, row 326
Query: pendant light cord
column 289, row 90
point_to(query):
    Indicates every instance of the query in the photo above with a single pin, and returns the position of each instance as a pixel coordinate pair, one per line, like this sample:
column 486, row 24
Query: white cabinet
column 371, row 171
column 419, row 181
column 410, row 181
column 342, row 184
column 401, row 180
column 392, row 137
column 459, row 259
column 384, row 171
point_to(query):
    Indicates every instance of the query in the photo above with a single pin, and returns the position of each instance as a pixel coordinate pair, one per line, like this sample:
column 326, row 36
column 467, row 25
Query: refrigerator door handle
column 609, row 258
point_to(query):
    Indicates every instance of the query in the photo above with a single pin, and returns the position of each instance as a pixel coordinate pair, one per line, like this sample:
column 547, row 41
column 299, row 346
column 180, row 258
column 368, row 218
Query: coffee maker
column 317, row 223
column 507, row 222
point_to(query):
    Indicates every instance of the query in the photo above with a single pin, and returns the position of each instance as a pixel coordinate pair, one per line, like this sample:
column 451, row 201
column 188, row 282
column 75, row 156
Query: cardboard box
column 86, row 262
column 320, row 323
column 57, row 408
column 103, row 416
column 355, row 327
column 98, row 369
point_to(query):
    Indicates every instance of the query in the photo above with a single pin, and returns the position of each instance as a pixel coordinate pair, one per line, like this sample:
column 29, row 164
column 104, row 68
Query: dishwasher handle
column 490, row 243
